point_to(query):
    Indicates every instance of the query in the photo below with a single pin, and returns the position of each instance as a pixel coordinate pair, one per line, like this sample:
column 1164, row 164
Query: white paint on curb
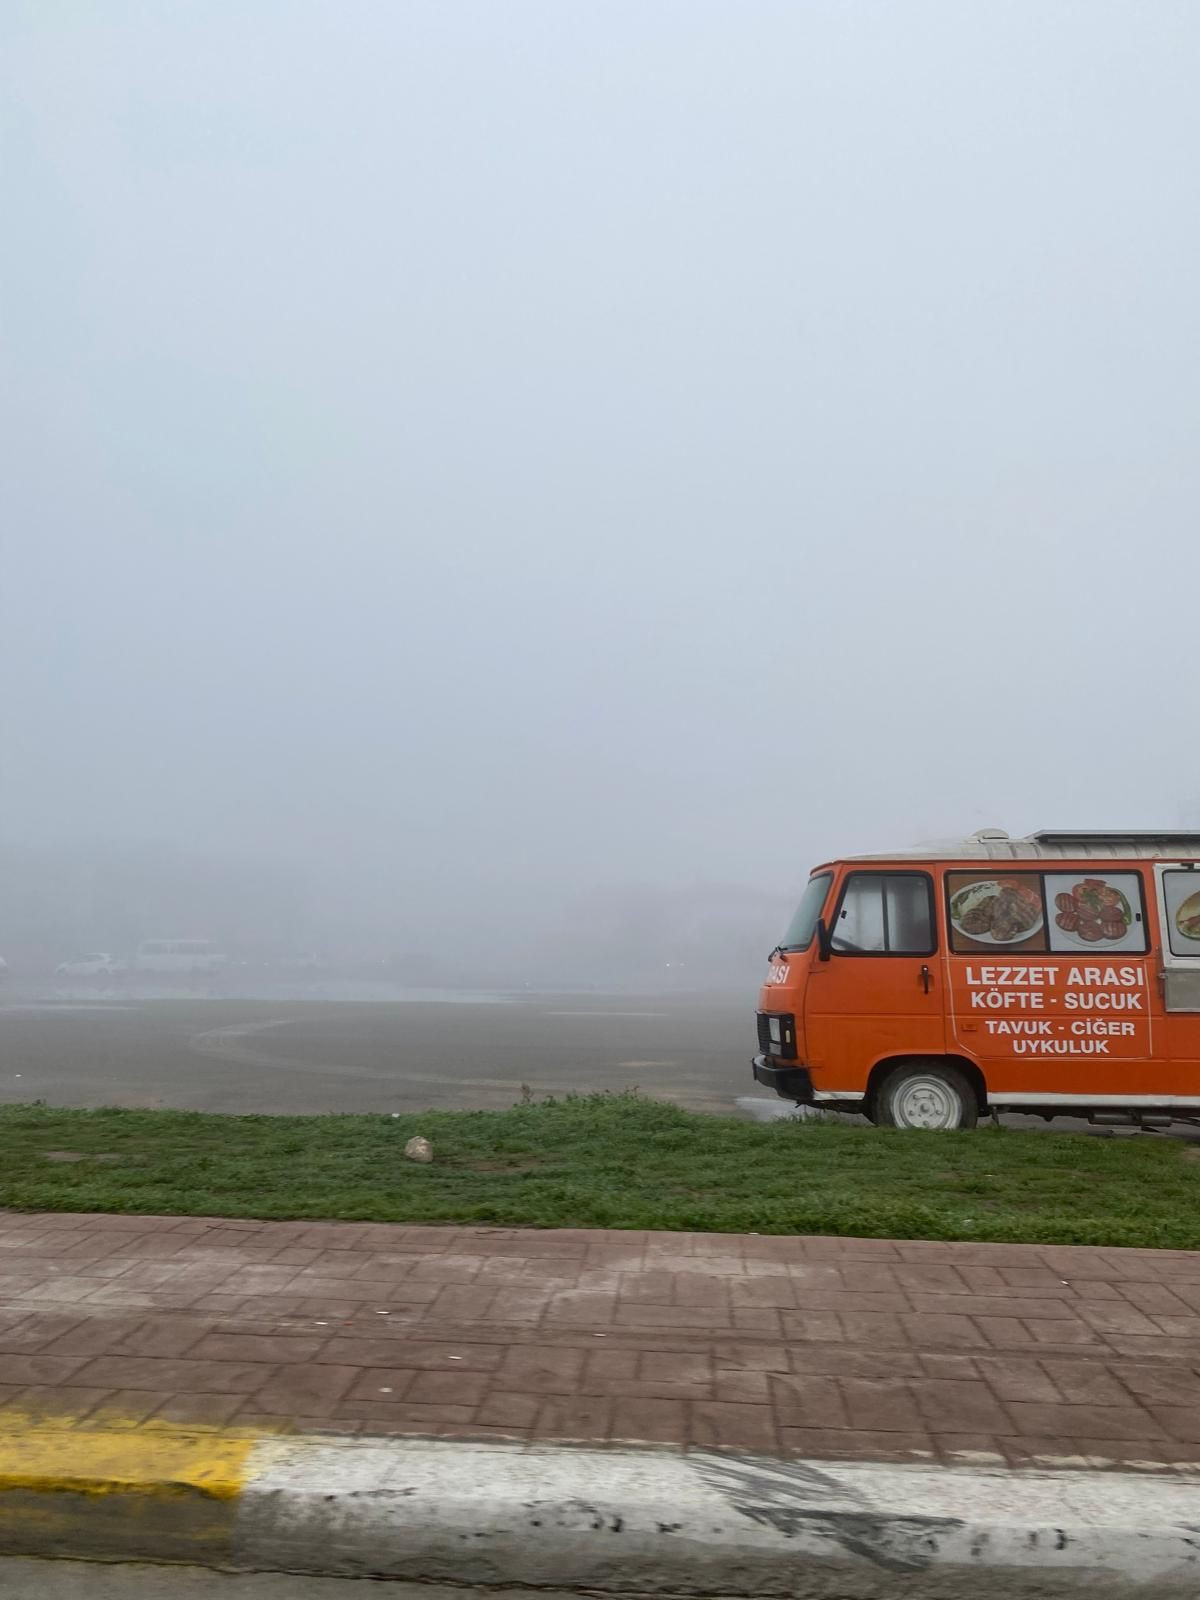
column 646, row 1521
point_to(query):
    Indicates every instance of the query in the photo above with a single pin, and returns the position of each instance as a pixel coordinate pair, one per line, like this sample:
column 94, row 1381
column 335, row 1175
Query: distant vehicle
column 98, row 964
column 179, row 956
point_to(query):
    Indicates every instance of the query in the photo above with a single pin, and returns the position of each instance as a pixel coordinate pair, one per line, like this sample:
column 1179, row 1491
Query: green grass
column 608, row 1161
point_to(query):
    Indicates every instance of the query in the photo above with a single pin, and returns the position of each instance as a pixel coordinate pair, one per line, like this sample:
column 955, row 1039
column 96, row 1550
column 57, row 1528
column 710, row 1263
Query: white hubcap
column 926, row 1103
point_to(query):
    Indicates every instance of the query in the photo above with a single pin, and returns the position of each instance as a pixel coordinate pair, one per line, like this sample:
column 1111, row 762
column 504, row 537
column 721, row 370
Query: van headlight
column 777, row 1034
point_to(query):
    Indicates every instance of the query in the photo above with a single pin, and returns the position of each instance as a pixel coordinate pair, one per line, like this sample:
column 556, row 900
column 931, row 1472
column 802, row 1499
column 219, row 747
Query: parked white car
column 98, row 964
column 179, row 956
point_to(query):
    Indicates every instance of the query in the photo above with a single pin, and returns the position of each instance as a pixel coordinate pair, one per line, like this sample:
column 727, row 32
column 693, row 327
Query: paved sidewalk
column 989, row 1355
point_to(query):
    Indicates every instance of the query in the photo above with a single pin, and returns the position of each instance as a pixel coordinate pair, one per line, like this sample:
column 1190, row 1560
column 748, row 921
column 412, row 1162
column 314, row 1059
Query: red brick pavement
column 853, row 1348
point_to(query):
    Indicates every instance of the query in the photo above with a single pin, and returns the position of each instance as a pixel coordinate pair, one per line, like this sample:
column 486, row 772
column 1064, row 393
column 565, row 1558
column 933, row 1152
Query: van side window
column 885, row 913
column 1181, row 892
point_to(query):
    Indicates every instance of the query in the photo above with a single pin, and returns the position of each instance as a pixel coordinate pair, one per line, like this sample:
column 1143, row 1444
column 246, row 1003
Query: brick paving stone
column 1158, row 1348
column 1094, row 1289
column 717, row 1264
column 209, row 1410
column 61, row 1401
column 1178, row 1327
column 101, row 1335
column 1039, row 1278
column 308, row 1388
column 1181, row 1422
column 1048, row 1332
column 37, row 1332
column 541, row 1369
column 812, row 1326
column 697, row 1289
column 647, row 1421
column 659, row 1365
column 574, row 1419
column 1016, row 1378
column 955, row 1404
column 1101, row 1422
column 751, row 1387
column 807, row 1402
column 753, row 1357
column 64, row 1290
column 218, row 1305
column 1005, row 1333
column 762, row 1320
column 582, row 1308
column 939, row 1365
column 867, row 1276
column 516, row 1305
column 982, row 1280
column 602, row 1367
column 511, row 1410
column 881, row 1403
column 36, row 1369
column 646, row 1287
column 447, row 1269
column 717, row 1425
column 1085, row 1383
column 1167, row 1385
column 382, row 1385
column 868, row 1327
column 163, row 1336
column 449, row 1388
column 765, row 1291
column 929, row 1280
column 463, row 1303
column 947, row 1331
column 1112, row 1316
column 126, row 1408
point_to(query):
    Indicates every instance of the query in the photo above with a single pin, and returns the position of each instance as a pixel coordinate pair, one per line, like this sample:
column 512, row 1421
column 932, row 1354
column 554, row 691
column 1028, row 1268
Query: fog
column 476, row 474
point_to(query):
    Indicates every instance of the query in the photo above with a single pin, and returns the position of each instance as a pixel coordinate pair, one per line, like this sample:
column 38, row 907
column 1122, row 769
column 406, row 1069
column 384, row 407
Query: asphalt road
column 312, row 1056
column 82, row 1580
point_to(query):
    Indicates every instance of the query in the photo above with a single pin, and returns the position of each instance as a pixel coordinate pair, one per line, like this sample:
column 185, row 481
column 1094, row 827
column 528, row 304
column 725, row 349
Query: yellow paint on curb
column 150, row 1462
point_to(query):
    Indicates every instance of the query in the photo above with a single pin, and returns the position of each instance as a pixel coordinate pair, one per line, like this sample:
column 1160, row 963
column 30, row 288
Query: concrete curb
column 608, row 1520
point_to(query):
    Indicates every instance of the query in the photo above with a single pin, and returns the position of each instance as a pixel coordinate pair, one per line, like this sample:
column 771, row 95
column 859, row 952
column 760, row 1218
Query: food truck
column 1057, row 975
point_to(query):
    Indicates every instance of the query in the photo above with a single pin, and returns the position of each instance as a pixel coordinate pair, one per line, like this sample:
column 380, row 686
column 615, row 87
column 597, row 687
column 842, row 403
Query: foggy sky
column 487, row 451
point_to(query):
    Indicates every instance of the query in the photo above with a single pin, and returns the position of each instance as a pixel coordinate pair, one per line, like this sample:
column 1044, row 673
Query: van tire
column 925, row 1094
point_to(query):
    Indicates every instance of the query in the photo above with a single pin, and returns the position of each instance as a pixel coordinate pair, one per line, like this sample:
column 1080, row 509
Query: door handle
column 926, row 977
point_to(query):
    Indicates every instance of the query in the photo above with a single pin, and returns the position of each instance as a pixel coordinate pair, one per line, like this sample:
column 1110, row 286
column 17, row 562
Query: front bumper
column 789, row 1082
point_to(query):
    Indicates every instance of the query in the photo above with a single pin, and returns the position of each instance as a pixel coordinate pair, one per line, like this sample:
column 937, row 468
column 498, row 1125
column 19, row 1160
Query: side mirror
column 824, row 940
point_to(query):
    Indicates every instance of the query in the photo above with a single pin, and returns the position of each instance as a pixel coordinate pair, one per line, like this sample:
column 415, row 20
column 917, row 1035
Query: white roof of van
column 993, row 844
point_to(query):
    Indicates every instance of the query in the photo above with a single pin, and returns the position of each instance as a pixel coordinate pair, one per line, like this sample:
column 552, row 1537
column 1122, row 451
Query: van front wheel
column 922, row 1095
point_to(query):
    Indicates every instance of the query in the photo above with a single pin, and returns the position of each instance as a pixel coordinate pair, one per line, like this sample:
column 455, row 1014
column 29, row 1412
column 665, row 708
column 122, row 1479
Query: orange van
column 1058, row 974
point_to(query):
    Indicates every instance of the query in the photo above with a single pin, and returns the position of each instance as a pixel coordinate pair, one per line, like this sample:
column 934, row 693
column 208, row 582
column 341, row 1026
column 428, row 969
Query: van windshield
column 804, row 924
